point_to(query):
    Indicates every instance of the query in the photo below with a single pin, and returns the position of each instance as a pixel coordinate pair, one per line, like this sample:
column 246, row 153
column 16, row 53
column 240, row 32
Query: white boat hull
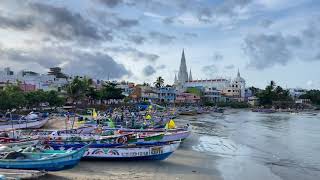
column 29, row 125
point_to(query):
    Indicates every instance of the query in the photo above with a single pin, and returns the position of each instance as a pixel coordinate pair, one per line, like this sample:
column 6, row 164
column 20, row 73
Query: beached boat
column 262, row 110
column 31, row 121
column 47, row 160
column 18, row 143
column 76, row 141
column 136, row 152
column 188, row 112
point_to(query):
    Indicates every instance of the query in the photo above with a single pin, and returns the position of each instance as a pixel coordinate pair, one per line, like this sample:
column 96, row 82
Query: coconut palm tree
column 159, row 82
column 77, row 90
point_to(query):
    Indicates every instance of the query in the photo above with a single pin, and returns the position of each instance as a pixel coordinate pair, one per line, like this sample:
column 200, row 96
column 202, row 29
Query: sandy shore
column 182, row 164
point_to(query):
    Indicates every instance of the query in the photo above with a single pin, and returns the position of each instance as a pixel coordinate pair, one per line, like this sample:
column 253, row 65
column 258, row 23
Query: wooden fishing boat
column 23, row 124
column 18, row 143
column 188, row 112
column 47, row 160
column 101, row 142
column 137, row 152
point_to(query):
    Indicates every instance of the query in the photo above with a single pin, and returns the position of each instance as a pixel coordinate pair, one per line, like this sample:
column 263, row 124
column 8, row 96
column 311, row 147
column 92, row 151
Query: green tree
column 34, row 98
column 159, row 82
column 78, row 89
column 110, row 91
column 313, row 95
column 254, row 90
column 11, row 97
column 53, row 98
column 273, row 93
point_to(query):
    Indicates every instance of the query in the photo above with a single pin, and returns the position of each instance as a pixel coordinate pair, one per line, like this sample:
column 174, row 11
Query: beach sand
column 182, row 164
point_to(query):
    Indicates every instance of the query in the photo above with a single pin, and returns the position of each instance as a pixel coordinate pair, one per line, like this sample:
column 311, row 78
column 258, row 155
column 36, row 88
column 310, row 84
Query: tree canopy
column 313, row 95
column 273, row 93
column 159, row 82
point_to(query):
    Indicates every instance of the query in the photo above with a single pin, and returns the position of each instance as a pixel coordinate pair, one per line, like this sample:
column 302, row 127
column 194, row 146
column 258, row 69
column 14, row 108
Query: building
column 126, row 87
column 27, row 87
column 187, row 98
column 144, row 93
column 216, row 89
column 167, row 94
column 40, row 81
column 253, row 101
column 212, row 95
column 236, row 89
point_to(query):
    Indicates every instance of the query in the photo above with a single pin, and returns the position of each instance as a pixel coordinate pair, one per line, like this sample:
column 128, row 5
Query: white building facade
column 41, row 81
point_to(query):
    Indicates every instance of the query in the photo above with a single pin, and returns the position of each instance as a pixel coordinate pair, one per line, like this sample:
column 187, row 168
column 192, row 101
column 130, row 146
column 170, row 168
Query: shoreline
column 184, row 163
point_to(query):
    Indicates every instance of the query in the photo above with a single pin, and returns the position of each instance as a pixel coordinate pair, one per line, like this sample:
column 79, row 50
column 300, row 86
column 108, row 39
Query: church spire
column 238, row 75
column 183, row 74
column 175, row 79
column 190, row 75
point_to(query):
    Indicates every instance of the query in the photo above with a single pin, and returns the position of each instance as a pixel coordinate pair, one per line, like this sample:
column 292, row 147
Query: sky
column 139, row 40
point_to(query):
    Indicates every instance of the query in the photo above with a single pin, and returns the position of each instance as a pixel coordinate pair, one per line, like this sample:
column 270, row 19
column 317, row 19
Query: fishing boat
column 50, row 160
column 188, row 112
column 159, row 151
column 262, row 110
column 33, row 120
column 96, row 141
column 18, row 143
column 169, row 135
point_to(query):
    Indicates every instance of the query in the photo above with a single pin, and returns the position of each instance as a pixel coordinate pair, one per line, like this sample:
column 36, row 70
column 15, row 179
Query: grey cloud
column 135, row 54
column 227, row 9
column 161, row 37
column 58, row 22
column 110, row 3
column 44, row 58
column 127, row 23
column 210, row 70
column 64, row 24
column 20, row 23
column 265, row 23
column 76, row 62
column 168, row 20
column 192, row 35
column 204, row 15
column 217, row 56
column 137, row 39
column 204, row 11
column 96, row 65
column 161, row 67
column 293, row 41
column 148, row 70
column 231, row 66
column 267, row 50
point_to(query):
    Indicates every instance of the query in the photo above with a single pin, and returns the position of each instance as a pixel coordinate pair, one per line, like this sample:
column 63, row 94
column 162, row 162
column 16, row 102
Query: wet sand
column 182, row 164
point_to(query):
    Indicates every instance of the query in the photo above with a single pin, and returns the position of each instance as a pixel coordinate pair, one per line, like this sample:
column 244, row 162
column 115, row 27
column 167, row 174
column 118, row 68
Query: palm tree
column 77, row 91
column 159, row 82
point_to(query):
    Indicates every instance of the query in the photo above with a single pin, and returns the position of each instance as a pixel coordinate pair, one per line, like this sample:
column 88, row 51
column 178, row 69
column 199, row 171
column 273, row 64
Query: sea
column 258, row 146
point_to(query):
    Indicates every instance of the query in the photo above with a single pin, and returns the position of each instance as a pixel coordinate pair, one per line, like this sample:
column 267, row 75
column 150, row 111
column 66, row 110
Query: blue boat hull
column 53, row 162
column 44, row 166
column 138, row 158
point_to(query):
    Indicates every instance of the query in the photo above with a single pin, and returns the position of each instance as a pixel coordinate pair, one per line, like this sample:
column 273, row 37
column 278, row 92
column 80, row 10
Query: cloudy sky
column 138, row 40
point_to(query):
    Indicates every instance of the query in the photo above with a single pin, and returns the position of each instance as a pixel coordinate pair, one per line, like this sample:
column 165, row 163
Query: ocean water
column 260, row 146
